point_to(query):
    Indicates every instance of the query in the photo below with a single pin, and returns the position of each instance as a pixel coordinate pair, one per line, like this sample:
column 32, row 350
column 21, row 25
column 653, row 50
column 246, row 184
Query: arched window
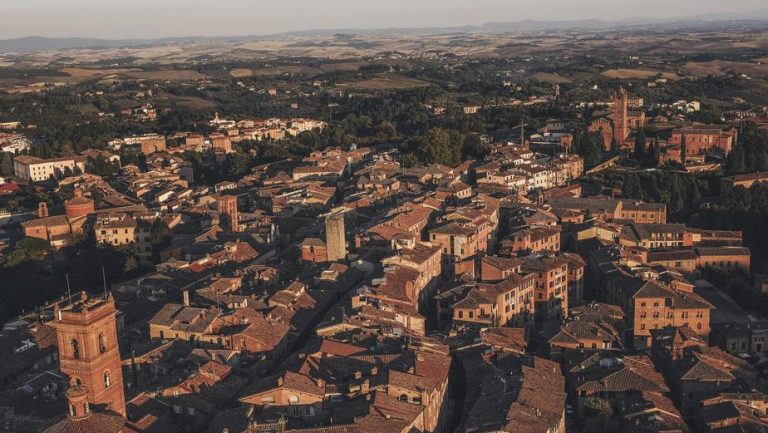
column 106, row 379
column 403, row 397
column 75, row 348
column 102, row 344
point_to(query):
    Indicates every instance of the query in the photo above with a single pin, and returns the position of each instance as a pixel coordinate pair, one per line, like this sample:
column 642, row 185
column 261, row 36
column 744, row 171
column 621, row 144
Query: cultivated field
column 722, row 67
column 384, row 82
column 638, row 74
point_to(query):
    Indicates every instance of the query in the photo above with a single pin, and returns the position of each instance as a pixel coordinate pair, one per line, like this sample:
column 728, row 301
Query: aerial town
column 422, row 239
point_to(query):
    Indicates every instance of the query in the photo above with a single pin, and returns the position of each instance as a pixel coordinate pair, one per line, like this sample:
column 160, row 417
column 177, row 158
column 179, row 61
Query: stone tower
column 620, row 116
column 86, row 332
column 228, row 212
column 335, row 238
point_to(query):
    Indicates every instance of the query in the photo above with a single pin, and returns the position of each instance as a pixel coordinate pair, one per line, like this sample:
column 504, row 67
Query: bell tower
column 86, row 332
column 621, row 116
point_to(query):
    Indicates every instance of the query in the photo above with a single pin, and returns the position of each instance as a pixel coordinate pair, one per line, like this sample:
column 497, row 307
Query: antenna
column 69, row 289
column 104, row 278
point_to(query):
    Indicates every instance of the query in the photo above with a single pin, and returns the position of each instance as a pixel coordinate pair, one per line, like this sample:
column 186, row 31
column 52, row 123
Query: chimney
column 280, row 381
column 321, row 383
column 366, row 385
column 185, row 295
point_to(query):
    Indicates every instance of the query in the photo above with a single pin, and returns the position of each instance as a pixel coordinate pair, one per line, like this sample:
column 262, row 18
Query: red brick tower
column 621, row 116
column 228, row 212
column 86, row 330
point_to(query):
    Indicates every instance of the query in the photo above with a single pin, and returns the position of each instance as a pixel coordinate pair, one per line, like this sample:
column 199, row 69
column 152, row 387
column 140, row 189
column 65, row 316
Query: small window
column 75, row 349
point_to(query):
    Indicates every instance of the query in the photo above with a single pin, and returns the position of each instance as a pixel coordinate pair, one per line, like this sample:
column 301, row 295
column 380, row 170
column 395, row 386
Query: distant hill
column 37, row 43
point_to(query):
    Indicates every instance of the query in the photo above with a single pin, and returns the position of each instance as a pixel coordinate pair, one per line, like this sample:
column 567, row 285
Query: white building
column 31, row 168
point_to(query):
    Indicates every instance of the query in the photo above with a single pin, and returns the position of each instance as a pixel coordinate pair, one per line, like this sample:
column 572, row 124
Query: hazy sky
column 158, row 18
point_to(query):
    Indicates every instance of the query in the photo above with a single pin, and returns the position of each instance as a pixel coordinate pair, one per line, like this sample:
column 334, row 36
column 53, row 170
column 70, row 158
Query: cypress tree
column 656, row 153
column 683, row 150
column 640, row 146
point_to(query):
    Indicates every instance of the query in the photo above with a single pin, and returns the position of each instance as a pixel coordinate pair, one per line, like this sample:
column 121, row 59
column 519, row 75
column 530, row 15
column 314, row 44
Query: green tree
column 130, row 264
column 159, row 232
column 589, row 150
column 27, row 249
column 6, row 164
column 640, row 146
column 631, row 187
column 439, row 146
column 656, row 153
column 683, row 150
column 237, row 164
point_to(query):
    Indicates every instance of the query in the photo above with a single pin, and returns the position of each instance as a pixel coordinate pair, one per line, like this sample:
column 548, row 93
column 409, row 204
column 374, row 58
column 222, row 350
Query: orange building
column 508, row 302
column 58, row 230
column 221, row 143
column 727, row 258
column 152, row 145
column 531, row 240
column 78, row 206
column 314, row 250
column 551, row 289
column 86, row 332
column 701, row 139
column 228, row 212
column 727, row 184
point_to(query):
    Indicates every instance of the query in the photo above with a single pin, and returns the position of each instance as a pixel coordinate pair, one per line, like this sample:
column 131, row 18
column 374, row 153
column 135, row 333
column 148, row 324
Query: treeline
column 683, row 193
column 697, row 201
column 30, row 265
column 750, row 153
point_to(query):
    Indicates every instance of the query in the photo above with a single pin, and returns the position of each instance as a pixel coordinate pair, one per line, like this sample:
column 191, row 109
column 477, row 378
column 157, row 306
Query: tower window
column 106, row 379
column 75, row 349
column 102, row 345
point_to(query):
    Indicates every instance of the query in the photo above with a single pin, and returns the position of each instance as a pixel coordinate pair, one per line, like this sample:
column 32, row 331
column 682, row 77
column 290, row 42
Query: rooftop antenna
column 104, row 278
column 69, row 289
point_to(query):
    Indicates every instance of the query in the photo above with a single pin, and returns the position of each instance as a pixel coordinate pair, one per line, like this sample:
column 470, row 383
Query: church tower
column 228, row 212
column 86, row 332
column 621, row 116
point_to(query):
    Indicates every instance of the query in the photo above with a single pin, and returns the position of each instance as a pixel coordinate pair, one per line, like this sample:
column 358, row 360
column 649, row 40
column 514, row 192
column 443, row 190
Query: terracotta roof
column 93, row 422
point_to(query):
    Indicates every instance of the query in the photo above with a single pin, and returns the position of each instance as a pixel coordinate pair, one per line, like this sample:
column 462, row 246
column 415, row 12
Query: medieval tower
column 228, row 212
column 335, row 238
column 621, row 116
column 86, row 332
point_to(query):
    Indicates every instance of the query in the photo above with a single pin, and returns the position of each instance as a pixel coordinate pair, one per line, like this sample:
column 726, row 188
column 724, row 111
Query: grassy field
column 385, row 82
column 82, row 74
column 722, row 67
column 638, row 74
column 241, row 73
